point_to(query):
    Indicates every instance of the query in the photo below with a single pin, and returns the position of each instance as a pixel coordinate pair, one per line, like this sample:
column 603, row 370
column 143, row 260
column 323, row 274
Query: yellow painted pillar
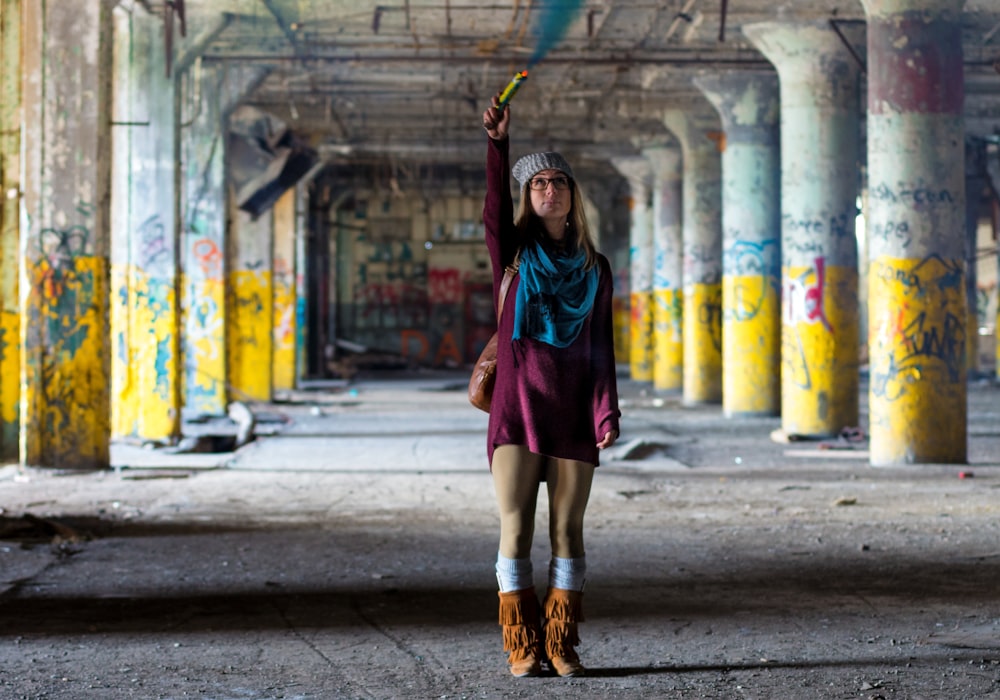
column 144, row 315
column 203, row 217
column 819, row 191
column 284, row 305
column 747, row 102
column 301, row 287
column 916, row 181
column 639, row 174
column 10, row 232
column 65, row 402
column 622, row 316
column 250, row 303
column 668, row 292
column 698, row 130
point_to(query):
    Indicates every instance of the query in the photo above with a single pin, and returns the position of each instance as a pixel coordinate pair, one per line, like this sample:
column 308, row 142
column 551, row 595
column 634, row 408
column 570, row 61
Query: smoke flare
column 553, row 20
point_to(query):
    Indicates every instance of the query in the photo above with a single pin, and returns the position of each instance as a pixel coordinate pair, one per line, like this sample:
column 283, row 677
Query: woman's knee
column 516, row 537
column 566, row 537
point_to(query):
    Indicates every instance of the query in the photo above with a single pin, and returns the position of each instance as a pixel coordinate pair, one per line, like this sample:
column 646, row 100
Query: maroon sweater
column 556, row 401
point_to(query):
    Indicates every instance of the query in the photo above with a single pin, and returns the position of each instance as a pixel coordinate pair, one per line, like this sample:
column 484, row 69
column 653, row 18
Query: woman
column 555, row 403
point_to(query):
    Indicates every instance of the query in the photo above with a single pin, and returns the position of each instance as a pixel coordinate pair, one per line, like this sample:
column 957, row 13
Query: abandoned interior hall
column 233, row 230
column 217, row 201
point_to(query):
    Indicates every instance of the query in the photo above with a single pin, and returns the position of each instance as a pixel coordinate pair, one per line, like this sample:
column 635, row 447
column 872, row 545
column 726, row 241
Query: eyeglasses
column 542, row 183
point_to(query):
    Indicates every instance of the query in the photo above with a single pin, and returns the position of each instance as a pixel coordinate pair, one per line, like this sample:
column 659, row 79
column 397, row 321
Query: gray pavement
column 347, row 553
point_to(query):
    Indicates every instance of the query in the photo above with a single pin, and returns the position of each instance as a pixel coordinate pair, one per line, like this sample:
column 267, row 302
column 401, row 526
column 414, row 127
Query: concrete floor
column 350, row 553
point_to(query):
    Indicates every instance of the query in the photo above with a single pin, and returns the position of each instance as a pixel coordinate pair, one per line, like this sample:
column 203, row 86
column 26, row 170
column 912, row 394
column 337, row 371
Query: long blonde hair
column 530, row 226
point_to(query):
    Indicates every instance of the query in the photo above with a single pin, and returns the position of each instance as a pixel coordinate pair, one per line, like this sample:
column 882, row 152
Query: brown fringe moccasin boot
column 563, row 610
column 522, row 636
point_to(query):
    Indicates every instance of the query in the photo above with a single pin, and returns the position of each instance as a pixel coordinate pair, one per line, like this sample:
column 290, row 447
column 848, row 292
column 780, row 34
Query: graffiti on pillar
column 793, row 357
column 284, row 307
column 804, row 297
column 710, row 314
column 910, row 196
column 795, row 229
column 208, row 258
column 751, row 259
column 893, row 232
column 701, row 265
column 155, row 250
column 204, row 331
column 66, row 291
column 917, row 330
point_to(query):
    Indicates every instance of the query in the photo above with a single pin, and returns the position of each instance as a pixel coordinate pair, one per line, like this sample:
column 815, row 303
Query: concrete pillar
column 820, row 130
column 203, row 212
column 145, row 354
column 301, row 294
column 747, row 102
column 283, row 280
column 699, row 132
column 916, row 181
column 67, row 70
column 250, row 312
column 639, row 174
column 668, row 290
column 206, row 95
column 10, row 230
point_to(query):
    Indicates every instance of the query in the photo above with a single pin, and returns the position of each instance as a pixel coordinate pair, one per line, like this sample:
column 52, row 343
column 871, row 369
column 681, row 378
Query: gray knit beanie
column 534, row 163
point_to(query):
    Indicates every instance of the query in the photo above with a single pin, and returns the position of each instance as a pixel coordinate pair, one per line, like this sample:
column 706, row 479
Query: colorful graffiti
column 641, row 340
column 917, row 358
column 804, row 302
column 66, row 341
column 703, row 343
column 753, row 268
column 819, row 349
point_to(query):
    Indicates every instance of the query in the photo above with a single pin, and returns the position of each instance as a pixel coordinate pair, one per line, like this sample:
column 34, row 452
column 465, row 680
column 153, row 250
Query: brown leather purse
column 484, row 372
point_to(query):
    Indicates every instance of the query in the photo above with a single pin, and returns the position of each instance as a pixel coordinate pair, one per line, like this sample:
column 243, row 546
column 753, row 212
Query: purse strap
column 508, row 277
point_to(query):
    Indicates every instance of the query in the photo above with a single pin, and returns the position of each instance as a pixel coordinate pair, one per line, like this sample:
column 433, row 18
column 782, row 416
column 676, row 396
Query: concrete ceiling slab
column 409, row 79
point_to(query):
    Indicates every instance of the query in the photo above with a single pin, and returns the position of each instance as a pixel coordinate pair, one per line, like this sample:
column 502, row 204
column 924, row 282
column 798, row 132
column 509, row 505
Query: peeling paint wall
column 285, row 312
column 917, row 289
column 203, row 241
column 65, row 403
column 10, row 232
column 702, row 251
column 747, row 103
column 144, row 313
column 250, row 304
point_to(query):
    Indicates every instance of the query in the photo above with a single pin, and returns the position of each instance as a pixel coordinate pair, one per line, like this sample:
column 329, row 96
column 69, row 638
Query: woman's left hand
column 609, row 439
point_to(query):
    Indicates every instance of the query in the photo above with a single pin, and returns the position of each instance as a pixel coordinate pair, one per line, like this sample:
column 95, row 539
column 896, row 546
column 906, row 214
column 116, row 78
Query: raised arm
column 498, row 208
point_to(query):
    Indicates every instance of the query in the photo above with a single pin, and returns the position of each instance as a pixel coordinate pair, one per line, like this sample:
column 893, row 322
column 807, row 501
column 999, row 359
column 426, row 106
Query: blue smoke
column 551, row 24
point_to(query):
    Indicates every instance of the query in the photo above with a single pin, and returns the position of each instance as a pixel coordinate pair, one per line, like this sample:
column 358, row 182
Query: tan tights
column 516, row 475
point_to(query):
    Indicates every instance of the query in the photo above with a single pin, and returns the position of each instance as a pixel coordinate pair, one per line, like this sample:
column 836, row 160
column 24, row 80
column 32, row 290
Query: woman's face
column 553, row 201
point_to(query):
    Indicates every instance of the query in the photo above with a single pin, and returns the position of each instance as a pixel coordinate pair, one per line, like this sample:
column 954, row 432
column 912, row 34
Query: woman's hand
column 496, row 121
column 609, row 439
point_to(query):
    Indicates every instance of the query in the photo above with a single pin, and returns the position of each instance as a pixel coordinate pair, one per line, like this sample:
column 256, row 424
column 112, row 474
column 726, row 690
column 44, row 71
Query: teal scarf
column 554, row 297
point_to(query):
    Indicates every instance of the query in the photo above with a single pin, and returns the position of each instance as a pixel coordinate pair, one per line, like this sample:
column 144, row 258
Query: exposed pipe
column 681, row 15
column 685, row 58
column 688, row 58
column 722, row 20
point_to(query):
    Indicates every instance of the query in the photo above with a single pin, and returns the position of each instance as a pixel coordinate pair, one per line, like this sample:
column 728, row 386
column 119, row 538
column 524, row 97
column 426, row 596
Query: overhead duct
column 266, row 159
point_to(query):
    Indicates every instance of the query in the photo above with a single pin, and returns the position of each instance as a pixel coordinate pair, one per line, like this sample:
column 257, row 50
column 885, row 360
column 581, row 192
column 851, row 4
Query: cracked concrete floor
column 349, row 555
